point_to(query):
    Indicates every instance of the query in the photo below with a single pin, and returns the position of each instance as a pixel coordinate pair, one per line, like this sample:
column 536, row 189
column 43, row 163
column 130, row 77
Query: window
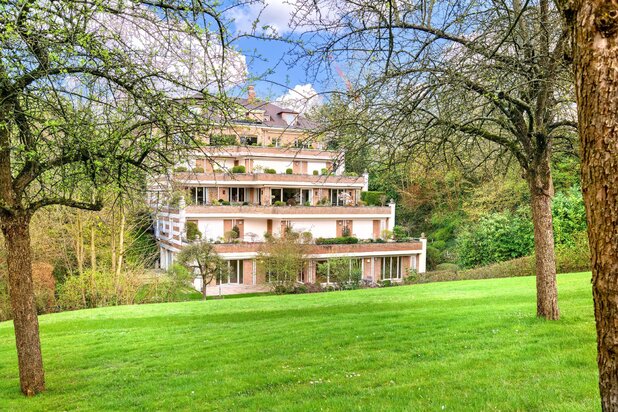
column 237, row 194
column 391, row 268
column 199, row 195
column 275, row 141
column 248, row 140
column 323, row 269
column 233, row 273
column 289, row 117
column 339, row 197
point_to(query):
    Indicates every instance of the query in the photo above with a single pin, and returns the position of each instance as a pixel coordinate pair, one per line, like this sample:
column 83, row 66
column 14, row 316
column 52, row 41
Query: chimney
column 251, row 94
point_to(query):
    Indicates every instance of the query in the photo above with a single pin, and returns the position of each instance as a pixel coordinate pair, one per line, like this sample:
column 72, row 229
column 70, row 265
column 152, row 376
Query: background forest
column 477, row 215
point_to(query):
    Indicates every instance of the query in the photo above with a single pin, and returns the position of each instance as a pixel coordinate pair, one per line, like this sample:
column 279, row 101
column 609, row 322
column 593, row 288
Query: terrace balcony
column 266, row 178
column 281, row 211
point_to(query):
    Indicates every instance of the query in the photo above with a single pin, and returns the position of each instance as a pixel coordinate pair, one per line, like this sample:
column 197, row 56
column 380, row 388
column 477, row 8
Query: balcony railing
column 287, row 210
column 268, row 177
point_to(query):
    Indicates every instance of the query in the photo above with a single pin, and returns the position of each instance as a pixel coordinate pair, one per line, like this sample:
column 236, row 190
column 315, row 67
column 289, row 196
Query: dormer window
column 289, row 117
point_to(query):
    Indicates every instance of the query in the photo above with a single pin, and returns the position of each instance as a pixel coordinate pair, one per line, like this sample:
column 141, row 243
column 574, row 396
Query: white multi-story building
column 274, row 176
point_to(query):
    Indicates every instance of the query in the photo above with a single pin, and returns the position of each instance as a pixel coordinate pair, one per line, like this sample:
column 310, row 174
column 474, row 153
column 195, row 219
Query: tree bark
column 93, row 250
column 595, row 47
column 79, row 242
column 541, row 193
column 16, row 231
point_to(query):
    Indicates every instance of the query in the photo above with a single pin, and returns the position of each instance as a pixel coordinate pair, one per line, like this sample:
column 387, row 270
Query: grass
column 469, row 345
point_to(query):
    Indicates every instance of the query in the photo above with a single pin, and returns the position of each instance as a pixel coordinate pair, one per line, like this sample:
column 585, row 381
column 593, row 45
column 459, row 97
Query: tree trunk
column 120, row 251
column 595, row 46
column 79, row 242
column 541, row 192
column 93, row 250
column 16, row 230
column 204, row 287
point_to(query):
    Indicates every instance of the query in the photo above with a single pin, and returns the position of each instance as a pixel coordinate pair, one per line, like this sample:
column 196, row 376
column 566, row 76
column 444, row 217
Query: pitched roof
column 274, row 114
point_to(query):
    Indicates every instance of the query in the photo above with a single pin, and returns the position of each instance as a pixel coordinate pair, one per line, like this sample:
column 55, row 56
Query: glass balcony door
column 238, row 194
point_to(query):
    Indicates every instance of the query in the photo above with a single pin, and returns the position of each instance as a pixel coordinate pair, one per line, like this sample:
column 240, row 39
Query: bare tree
column 88, row 99
column 594, row 35
column 467, row 76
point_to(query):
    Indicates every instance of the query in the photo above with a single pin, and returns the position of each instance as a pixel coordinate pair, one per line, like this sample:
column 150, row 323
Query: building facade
column 265, row 174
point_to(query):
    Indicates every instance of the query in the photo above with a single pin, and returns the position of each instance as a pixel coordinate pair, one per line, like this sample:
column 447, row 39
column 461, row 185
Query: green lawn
column 471, row 345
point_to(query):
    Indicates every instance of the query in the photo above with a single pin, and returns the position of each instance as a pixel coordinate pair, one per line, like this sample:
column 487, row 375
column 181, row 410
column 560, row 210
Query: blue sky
column 275, row 14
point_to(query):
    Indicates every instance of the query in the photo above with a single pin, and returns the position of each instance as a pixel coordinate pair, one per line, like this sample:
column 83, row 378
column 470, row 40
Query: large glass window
column 300, row 196
column 199, row 195
column 237, row 194
column 233, row 273
column 340, row 197
column 391, row 268
column 323, row 269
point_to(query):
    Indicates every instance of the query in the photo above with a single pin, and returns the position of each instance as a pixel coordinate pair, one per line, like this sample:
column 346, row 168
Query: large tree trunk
column 541, row 192
column 595, row 25
column 19, row 259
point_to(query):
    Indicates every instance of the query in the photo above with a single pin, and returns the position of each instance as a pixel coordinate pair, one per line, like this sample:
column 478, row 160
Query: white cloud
column 186, row 59
column 276, row 14
column 280, row 17
column 301, row 98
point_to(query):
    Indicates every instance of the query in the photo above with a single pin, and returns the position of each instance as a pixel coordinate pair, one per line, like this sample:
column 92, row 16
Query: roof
column 273, row 115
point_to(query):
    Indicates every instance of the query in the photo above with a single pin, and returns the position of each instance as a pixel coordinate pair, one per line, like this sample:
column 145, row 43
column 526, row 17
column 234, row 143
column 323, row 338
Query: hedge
column 373, row 198
column 343, row 240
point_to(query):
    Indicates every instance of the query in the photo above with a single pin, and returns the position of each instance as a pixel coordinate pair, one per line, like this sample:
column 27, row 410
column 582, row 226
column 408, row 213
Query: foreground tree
column 594, row 26
column 202, row 257
column 282, row 260
column 464, row 77
column 86, row 102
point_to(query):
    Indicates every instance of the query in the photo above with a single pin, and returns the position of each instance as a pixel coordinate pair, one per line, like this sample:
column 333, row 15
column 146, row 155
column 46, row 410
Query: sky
column 287, row 83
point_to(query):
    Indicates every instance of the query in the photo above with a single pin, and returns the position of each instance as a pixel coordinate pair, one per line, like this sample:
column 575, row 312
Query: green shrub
column 400, row 233
column 574, row 256
column 569, row 216
column 270, row 171
column 193, row 232
column 239, row 169
column 350, row 174
column 279, row 203
column 324, row 171
column 289, row 171
column 343, row 240
column 315, row 173
column 223, row 140
column 374, row 198
column 180, row 169
column 448, row 266
column 434, row 257
column 495, row 238
column 198, row 169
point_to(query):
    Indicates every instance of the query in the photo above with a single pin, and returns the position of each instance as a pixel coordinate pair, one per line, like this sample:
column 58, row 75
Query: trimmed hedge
column 343, row 240
column 373, row 198
column 239, row 169
column 270, row 171
column 567, row 261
